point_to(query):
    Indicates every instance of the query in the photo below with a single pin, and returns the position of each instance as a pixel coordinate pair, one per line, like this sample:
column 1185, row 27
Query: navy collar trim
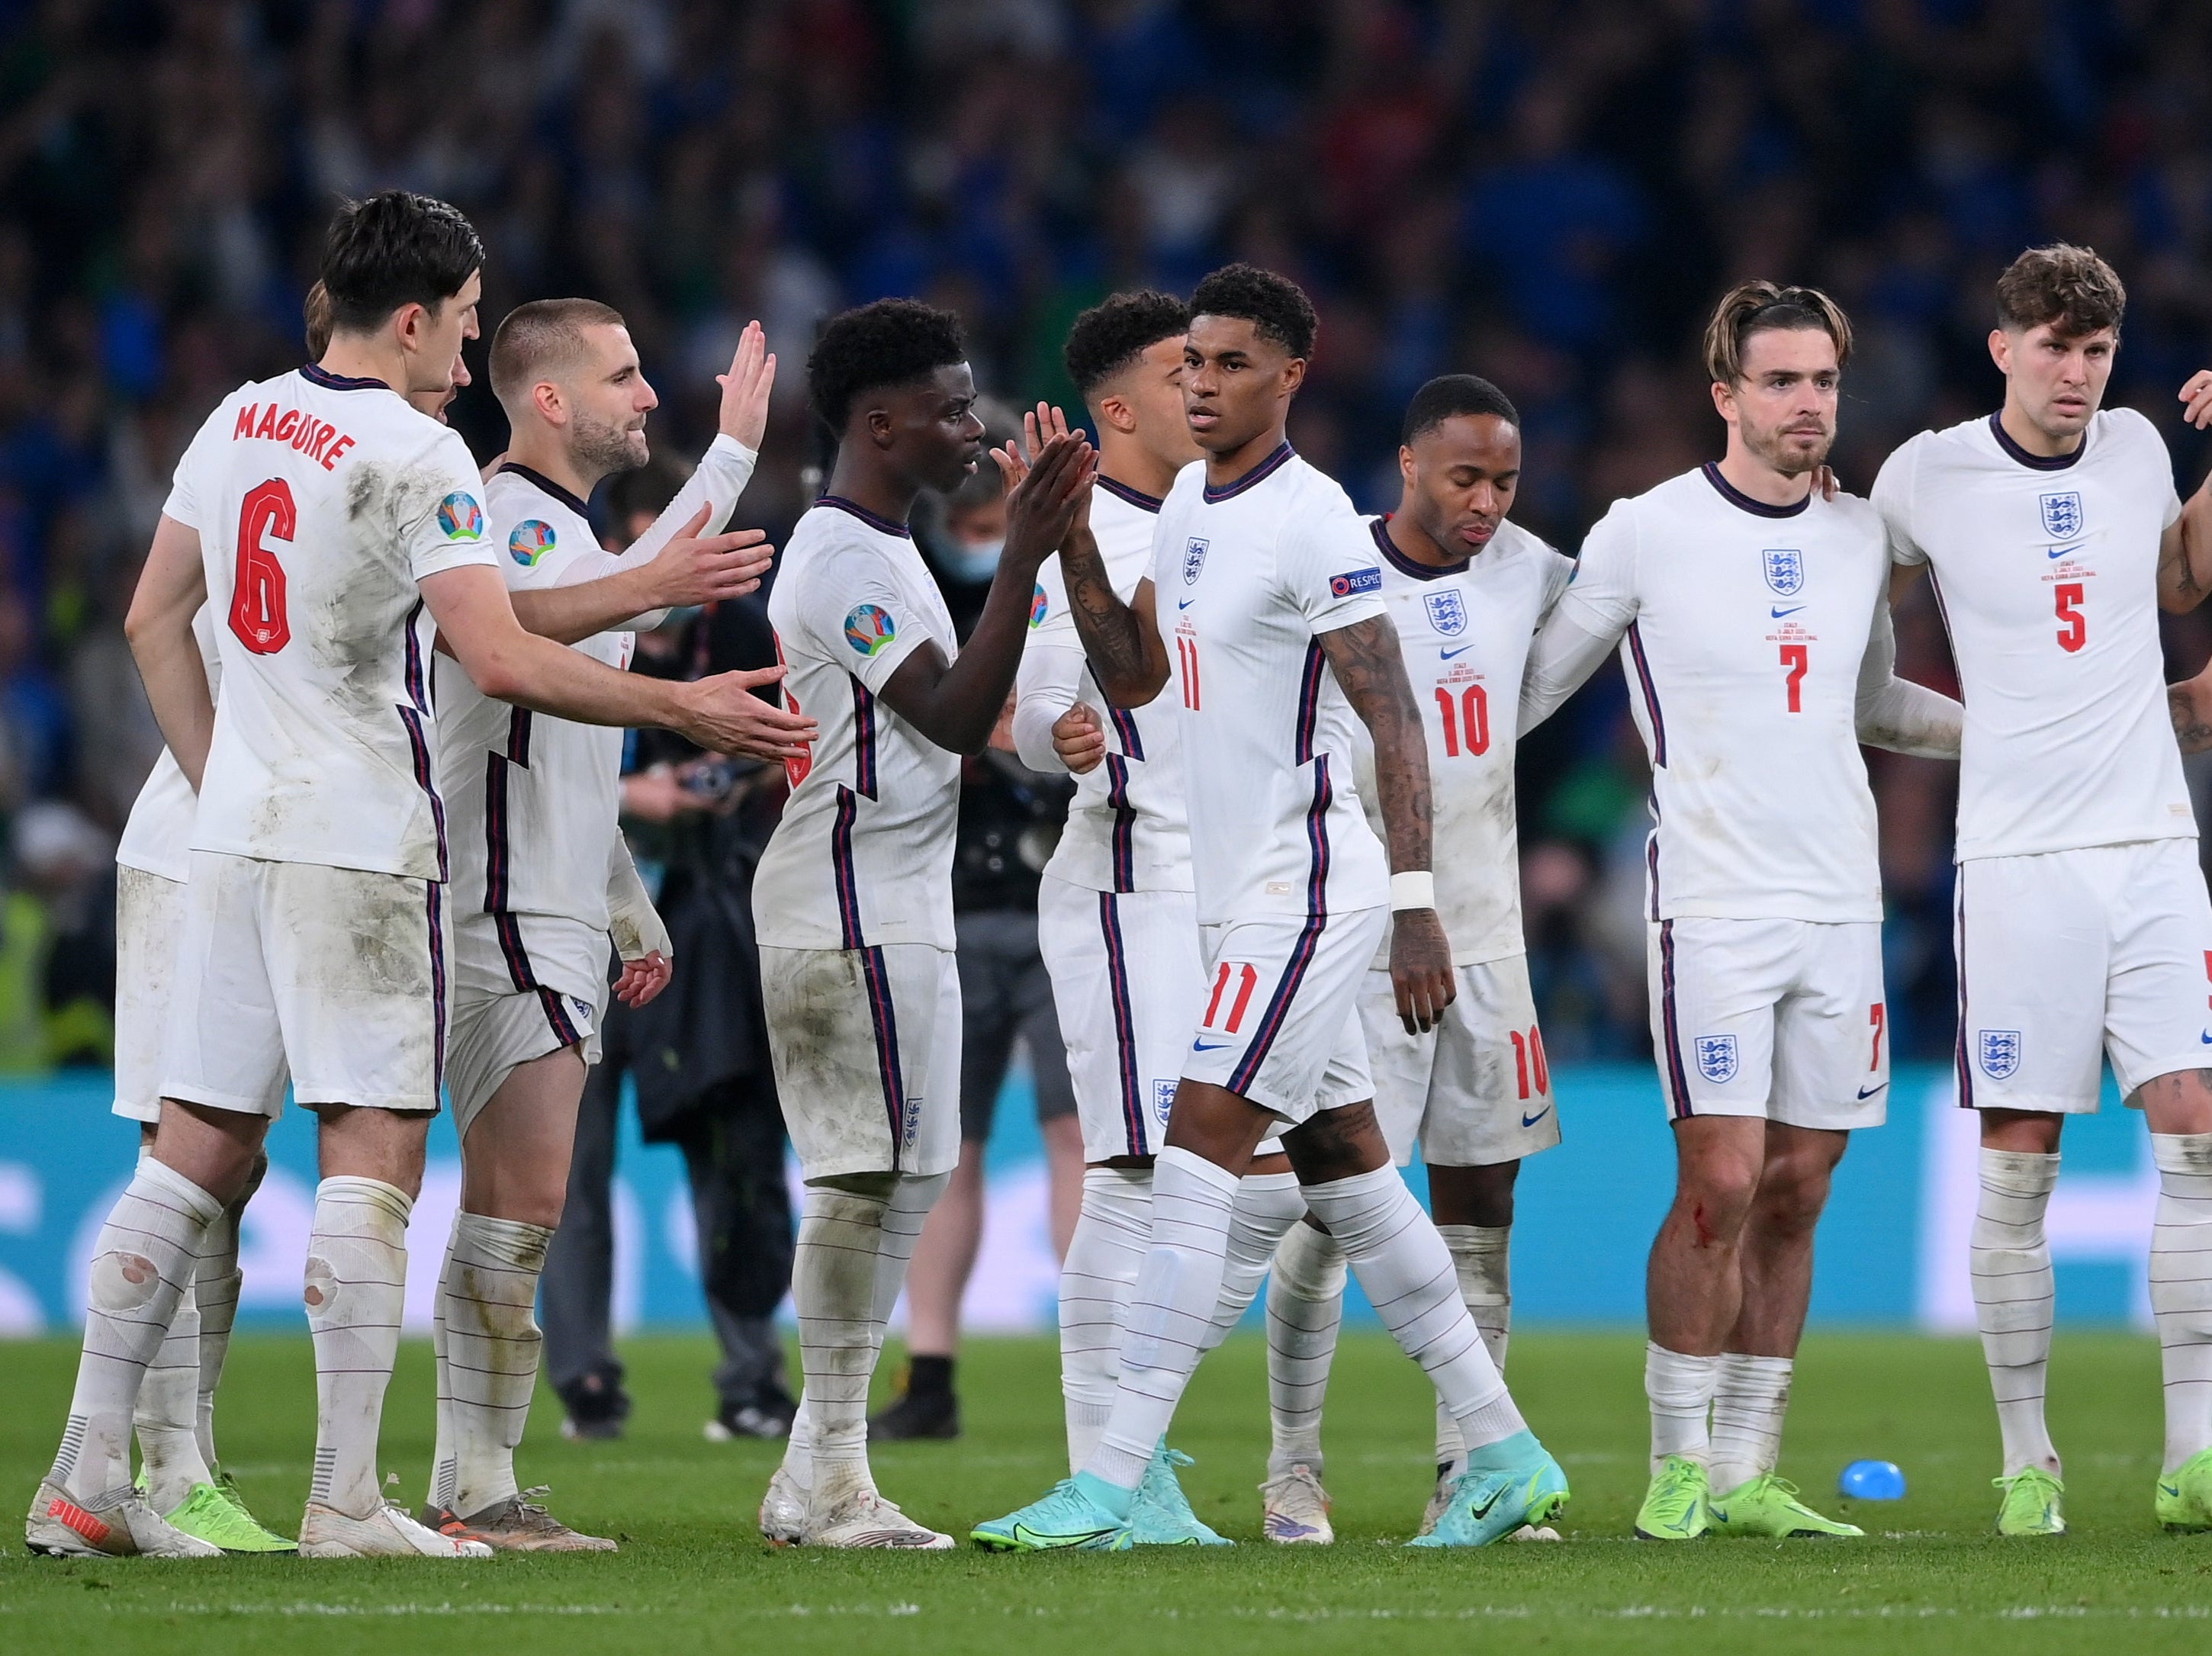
column 315, row 374
column 1735, row 497
column 1136, row 497
column 2036, row 462
column 1404, row 565
column 1260, row 473
column 884, row 525
column 539, row 480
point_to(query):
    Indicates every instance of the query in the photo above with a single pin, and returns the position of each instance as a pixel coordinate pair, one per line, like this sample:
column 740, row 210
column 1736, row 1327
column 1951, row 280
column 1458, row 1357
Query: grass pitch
column 693, row 1574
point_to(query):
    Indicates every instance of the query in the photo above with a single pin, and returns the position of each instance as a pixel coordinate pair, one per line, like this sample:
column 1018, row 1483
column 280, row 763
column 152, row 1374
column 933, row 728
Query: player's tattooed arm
column 958, row 704
column 2190, row 703
column 171, row 589
column 1371, row 671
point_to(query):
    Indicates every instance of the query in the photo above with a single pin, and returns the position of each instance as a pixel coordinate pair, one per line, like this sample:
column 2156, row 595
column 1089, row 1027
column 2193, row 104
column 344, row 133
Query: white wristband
column 1416, row 889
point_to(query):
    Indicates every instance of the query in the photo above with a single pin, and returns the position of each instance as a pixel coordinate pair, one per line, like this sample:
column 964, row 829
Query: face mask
column 976, row 560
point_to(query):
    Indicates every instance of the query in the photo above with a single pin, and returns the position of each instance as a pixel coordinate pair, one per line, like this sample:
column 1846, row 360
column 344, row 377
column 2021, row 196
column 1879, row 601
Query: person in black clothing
column 1010, row 820
column 698, row 1054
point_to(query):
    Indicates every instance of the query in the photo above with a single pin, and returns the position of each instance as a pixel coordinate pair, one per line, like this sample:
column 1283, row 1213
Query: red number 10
column 258, row 617
column 1473, row 710
column 1530, row 1064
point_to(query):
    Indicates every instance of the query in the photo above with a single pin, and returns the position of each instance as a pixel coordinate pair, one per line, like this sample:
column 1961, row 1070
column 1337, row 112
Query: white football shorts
column 1779, row 1019
column 524, row 985
column 1279, row 1011
column 1475, row 1090
column 2070, row 956
column 866, row 1048
column 340, row 974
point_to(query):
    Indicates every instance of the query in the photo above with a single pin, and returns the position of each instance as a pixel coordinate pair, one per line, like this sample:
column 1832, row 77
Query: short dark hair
column 543, row 337
column 1449, row 395
column 2068, row 287
column 1751, row 307
column 395, row 249
column 892, row 342
column 1273, row 304
column 1109, row 336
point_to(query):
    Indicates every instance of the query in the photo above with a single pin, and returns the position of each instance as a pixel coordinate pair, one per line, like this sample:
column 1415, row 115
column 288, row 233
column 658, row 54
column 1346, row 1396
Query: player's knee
column 872, row 1187
column 1717, row 1199
column 122, row 1282
column 1791, row 1195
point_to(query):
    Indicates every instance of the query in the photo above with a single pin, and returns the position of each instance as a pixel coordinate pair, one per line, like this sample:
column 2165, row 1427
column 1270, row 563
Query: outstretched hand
column 697, row 568
column 2196, row 396
column 1045, row 496
column 724, row 717
column 746, row 388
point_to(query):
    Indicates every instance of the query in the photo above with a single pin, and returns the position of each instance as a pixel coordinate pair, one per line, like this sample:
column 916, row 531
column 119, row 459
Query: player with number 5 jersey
column 2053, row 534
column 1751, row 611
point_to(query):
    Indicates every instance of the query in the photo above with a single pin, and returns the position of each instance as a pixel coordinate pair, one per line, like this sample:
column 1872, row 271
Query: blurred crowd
column 1546, row 191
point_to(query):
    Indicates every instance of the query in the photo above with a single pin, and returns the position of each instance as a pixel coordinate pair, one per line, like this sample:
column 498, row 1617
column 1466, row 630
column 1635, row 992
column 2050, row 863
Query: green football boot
column 1161, row 1515
column 1677, row 1507
column 2184, row 1495
column 215, row 1513
column 1768, row 1505
column 1067, row 1519
column 2030, row 1503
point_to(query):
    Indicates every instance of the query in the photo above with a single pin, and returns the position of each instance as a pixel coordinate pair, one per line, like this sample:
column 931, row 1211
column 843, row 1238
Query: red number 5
column 2076, row 632
column 257, row 598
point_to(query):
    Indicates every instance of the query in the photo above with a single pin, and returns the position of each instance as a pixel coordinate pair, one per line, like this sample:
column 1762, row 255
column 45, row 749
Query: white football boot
column 117, row 1524
column 1297, row 1509
column 387, row 1532
column 783, row 1510
column 844, row 1510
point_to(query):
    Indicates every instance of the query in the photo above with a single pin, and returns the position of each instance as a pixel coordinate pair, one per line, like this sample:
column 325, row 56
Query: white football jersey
column 1246, row 578
column 157, row 837
column 1128, row 827
column 320, row 502
column 1466, row 632
column 532, row 800
column 864, row 853
column 1742, row 628
column 2047, row 572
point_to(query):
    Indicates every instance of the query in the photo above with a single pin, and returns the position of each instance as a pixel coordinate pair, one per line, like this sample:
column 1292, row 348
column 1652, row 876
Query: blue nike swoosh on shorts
column 1868, row 1091
column 1210, row 1046
column 1530, row 1121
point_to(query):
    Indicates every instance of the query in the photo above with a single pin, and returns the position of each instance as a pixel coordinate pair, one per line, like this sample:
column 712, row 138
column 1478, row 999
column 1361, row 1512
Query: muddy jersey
column 863, row 854
column 1464, row 631
column 320, row 502
column 2047, row 572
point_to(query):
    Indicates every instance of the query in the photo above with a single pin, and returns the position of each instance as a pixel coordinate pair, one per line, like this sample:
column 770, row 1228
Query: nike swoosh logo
column 1868, row 1091
column 1185, row 603
column 1448, row 654
column 1530, row 1121
column 1778, row 613
column 2206, row 1038
column 1210, row 1046
column 1483, row 1511
column 2061, row 552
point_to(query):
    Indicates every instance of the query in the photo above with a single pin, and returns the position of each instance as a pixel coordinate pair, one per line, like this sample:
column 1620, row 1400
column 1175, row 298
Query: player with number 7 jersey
column 1751, row 611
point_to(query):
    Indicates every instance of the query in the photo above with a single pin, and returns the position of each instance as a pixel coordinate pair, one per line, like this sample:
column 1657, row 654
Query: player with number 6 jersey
column 2053, row 534
column 1752, row 616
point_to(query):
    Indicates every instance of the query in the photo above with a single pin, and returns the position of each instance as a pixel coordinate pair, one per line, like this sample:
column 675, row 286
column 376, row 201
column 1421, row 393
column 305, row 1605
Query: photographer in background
column 1010, row 820
column 698, row 1053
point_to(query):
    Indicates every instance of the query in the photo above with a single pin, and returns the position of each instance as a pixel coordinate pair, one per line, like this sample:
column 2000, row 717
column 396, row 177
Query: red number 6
column 257, row 598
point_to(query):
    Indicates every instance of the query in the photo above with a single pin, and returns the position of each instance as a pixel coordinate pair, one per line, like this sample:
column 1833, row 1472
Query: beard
column 1788, row 459
column 605, row 448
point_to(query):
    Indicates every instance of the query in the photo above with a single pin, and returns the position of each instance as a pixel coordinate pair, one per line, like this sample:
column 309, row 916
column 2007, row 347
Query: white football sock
column 1750, row 1396
column 1407, row 1272
column 1305, row 1307
column 487, row 1296
column 356, row 1292
column 2181, row 1288
column 1480, row 1256
column 140, row 1265
column 1267, row 1206
column 216, row 1285
column 1679, row 1389
column 2014, row 1299
column 167, row 1417
column 1112, row 1234
column 1171, row 1309
column 854, row 1246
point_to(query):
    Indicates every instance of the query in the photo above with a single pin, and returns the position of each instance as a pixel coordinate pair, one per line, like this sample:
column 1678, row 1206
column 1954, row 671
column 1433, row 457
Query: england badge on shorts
column 1784, row 568
column 1447, row 612
column 1163, row 1100
column 1716, row 1058
column 2000, row 1053
column 2061, row 514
